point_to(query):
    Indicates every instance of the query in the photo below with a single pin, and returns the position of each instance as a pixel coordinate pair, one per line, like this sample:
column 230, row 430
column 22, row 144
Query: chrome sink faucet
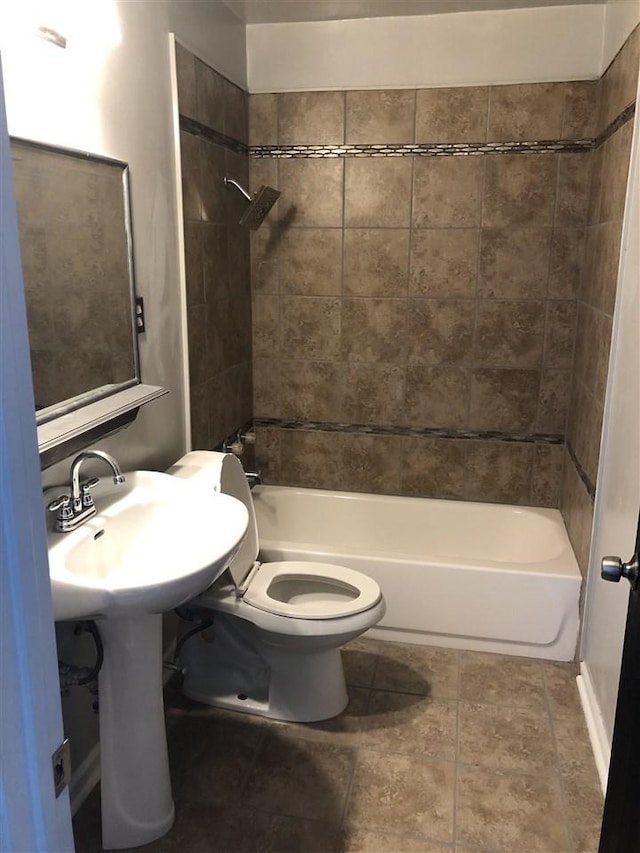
column 74, row 509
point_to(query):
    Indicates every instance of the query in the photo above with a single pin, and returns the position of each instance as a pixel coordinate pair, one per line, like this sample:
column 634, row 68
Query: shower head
column 260, row 203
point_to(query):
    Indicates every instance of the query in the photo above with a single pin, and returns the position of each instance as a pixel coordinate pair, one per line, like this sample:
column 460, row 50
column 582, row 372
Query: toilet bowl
column 273, row 647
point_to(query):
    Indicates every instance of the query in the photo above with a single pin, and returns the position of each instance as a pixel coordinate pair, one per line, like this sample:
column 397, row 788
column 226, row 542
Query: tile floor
column 438, row 751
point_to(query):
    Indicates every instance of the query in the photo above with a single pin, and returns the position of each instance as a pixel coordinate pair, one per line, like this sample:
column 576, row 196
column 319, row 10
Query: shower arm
column 231, row 182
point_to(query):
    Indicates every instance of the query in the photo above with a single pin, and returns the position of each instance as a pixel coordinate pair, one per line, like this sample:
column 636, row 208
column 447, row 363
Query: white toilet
column 274, row 646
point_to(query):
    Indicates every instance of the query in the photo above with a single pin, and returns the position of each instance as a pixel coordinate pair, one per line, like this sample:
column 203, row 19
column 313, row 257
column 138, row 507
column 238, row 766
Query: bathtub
column 483, row 577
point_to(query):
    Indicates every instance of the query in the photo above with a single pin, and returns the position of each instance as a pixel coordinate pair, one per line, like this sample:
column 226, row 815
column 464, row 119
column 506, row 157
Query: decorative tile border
column 626, row 115
column 419, row 432
column 195, row 128
column 589, row 486
column 443, row 149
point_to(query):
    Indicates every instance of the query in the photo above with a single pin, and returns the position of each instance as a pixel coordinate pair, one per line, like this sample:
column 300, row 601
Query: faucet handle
column 61, row 505
column 87, row 500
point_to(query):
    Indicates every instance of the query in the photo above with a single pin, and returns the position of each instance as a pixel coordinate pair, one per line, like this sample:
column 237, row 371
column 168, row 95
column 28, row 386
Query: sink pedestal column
column 137, row 806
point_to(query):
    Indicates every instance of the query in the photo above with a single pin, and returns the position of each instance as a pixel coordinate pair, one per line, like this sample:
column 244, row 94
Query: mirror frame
column 92, row 395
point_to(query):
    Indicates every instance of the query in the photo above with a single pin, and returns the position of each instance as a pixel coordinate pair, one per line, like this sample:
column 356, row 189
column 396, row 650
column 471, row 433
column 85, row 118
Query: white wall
column 618, row 495
column 462, row 49
column 109, row 93
column 621, row 16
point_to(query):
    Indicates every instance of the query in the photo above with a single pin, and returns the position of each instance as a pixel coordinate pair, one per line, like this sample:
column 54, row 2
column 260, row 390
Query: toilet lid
column 311, row 590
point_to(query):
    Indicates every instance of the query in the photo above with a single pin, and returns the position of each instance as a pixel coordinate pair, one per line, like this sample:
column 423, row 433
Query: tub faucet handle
column 254, row 478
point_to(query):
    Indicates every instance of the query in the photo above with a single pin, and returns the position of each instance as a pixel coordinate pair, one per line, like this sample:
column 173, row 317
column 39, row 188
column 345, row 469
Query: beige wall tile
column 311, row 118
column 514, row 263
column 370, row 463
column 447, row 192
column 444, row 262
column 267, row 450
column 499, row 471
column 580, row 109
column 376, row 262
column 619, row 82
column 236, row 112
column 310, row 326
column 311, row 390
column 553, row 402
column 504, row 399
column 310, row 459
column 380, row 116
column 193, row 263
column 577, row 512
column 199, row 410
column 266, row 325
column 548, row 468
column 574, row 179
column 509, row 334
column 210, row 97
column 440, row 331
column 311, row 192
column 519, row 190
column 263, row 119
column 617, row 152
column 191, row 181
column 526, row 112
column 265, row 274
column 560, row 334
column 374, row 393
column 377, row 192
column 434, row 467
column 311, row 261
column 437, row 396
column 266, row 387
column 567, row 249
column 374, row 330
column 216, row 200
column 452, row 115
column 186, row 75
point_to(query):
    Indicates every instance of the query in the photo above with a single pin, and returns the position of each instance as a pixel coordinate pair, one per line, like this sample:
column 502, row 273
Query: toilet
column 273, row 645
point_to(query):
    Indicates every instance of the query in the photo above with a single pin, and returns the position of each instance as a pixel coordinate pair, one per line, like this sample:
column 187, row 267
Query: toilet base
column 233, row 668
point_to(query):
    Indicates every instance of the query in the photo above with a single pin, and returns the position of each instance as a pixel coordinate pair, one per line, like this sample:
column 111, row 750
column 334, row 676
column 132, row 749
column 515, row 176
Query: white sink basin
column 155, row 542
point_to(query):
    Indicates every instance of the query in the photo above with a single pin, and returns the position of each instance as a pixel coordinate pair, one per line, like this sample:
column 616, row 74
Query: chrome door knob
column 612, row 569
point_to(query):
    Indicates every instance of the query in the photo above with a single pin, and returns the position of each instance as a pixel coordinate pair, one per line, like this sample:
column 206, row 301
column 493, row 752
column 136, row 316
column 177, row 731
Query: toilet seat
column 307, row 590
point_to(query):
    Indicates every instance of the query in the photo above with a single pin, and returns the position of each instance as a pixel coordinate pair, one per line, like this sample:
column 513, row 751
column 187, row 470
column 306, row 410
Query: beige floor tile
column 501, row 680
column 514, row 739
column 417, row 669
column 576, row 760
column 300, row 778
column 209, row 758
column 402, row 795
column 564, row 702
column 293, row 835
column 343, row 730
column 584, row 803
column 363, row 841
column 410, row 724
column 359, row 660
column 509, row 812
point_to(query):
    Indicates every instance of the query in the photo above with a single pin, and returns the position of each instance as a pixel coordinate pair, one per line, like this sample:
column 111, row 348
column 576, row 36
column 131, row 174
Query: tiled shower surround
column 428, row 292
column 212, row 140
column 414, row 317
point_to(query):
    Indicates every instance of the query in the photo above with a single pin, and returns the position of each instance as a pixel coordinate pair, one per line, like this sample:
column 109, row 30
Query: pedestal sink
column 155, row 542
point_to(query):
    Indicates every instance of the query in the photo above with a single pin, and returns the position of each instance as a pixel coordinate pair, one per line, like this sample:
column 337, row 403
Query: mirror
column 77, row 261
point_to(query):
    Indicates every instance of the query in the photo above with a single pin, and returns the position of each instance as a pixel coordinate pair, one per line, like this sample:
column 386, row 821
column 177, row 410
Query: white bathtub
column 475, row 576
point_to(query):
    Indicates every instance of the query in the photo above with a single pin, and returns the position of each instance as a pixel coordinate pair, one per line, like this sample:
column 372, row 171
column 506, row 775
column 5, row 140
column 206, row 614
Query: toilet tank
column 224, row 473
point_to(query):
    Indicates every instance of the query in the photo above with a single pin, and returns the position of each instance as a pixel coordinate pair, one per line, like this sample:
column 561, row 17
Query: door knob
column 612, row 569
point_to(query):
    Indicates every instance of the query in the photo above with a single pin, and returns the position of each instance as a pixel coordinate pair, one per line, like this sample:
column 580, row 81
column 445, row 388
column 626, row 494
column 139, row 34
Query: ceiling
column 279, row 11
